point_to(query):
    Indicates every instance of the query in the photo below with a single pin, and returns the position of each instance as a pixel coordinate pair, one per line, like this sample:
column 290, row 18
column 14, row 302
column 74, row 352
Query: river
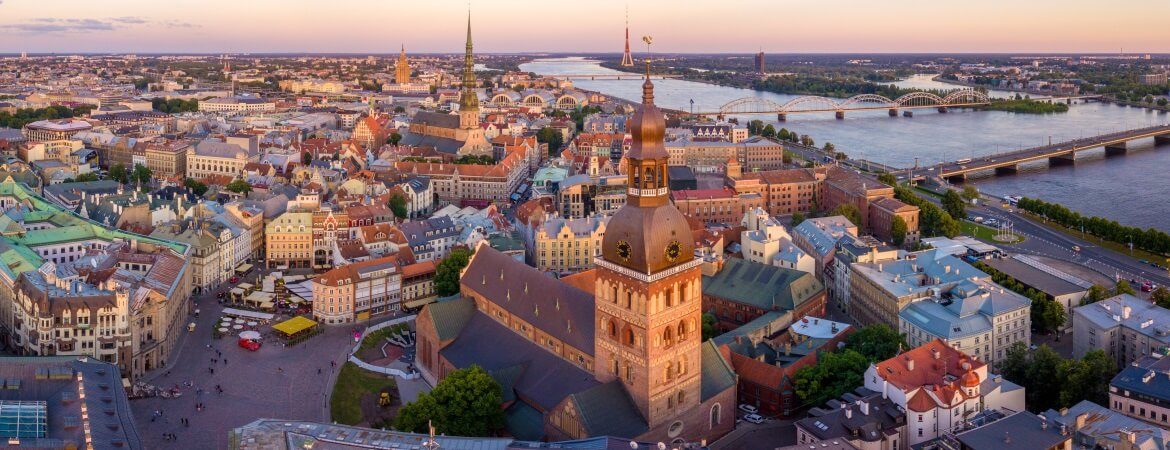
column 1122, row 188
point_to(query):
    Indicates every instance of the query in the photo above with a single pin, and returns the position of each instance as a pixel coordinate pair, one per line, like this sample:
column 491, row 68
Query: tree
column 797, row 218
column 447, row 272
column 1044, row 367
column 970, row 192
column 1096, row 293
column 877, row 342
column 953, row 204
column 89, row 176
column 1087, row 379
column 118, row 173
column 835, row 373
column 239, row 187
column 1161, row 297
column 784, row 134
column 769, row 131
column 829, row 147
column 306, row 158
column 195, row 186
column 398, row 206
column 709, row 330
column 553, row 138
column 1123, row 287
column 898, row 230
column 1162, row 102
column 465, row 403
column 394, row 138
column 888, row 179
column 807, row 141
column 849, row 211
column 141, row 174
column 755, row 127
column 1047, row 315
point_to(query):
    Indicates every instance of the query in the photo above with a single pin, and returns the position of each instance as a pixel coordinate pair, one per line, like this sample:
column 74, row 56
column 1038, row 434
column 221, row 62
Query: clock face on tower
column 624, row 250
column 673, row 251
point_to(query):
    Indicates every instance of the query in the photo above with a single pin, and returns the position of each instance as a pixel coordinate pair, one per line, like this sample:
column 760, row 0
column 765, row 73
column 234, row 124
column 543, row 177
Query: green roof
column 760, row 285
column 524, row 422
column 608, row 410
column 717, row 375
column 449, row 316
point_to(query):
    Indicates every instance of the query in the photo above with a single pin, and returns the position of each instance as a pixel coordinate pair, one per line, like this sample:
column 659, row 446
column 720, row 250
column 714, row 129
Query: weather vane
column 648, row 40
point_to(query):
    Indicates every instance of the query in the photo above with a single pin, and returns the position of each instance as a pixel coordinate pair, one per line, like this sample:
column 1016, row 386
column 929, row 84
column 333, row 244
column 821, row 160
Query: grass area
column 377, row 337
column 928, row 192
column 352, row 384
column 1115, row 246
column 984, row 232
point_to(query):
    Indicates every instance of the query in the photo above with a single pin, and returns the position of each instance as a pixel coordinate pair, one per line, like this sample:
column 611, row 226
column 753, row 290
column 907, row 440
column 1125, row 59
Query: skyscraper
column 402, row 68
column 760, row 62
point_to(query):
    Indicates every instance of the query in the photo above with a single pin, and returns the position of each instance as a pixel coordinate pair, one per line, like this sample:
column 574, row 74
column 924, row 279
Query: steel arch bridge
column 816, row 103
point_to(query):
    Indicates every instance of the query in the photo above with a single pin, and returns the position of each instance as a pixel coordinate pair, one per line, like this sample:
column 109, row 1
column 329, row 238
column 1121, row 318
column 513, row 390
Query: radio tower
column 627, row 59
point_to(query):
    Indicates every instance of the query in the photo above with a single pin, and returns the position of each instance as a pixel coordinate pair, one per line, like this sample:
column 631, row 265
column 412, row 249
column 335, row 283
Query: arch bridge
column 864, row 102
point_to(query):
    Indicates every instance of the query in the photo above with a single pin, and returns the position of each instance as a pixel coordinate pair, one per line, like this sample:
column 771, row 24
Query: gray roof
column 833, row 422
column 761, row 285
column 546, row 379
column 1023, row 428
column 1034, row 277
column 1103, row 427
column 436, row 119
column 928, row 270
column 1148, row 377
column 608, row 410
column 551, row 305
column 717, row 375
column 967, row 309
column 822, row 232
column 1109, row 313
column 442, row 144
column 217, row 149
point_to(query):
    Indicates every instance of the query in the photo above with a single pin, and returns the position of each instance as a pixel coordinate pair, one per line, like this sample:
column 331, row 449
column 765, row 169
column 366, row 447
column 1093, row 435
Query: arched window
column 629, row 299
column 682, row 331
column 629, row 337
column 682, row 364
column 682, row 396
column 667, row 337
column 716, row 411
column 613, row 331
column 682, row 293
column 669, row 295
column 668, row 373
column 615, row 294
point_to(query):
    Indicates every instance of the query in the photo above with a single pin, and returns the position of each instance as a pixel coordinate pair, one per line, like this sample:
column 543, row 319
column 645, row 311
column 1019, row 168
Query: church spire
column 468, row 100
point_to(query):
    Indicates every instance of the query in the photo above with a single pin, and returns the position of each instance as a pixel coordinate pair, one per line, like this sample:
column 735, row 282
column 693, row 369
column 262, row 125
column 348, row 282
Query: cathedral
column 459, row 135
column 613, row 351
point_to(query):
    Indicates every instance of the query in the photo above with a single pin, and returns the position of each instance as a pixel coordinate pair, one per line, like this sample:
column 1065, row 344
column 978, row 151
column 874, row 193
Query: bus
column 963, row 161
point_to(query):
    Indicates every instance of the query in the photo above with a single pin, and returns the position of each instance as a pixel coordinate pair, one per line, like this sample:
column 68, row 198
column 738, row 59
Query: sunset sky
column 777, row 26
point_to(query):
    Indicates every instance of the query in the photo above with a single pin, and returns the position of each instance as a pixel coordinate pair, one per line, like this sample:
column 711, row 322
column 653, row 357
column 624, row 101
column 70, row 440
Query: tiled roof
column 717, row 375
column 928, row 370
column 761, row 285
column 449, row 317
column 608, row 410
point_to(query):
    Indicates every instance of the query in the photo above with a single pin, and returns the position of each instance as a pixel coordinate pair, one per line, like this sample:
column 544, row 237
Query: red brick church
column 614, row 351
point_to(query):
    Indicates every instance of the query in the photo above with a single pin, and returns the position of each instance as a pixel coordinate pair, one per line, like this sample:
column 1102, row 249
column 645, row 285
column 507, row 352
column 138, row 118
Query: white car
column 754, row 418
column 748, row 408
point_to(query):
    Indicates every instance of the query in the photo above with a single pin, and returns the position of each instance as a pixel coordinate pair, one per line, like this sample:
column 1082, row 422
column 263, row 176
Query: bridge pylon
column 1162, row 139
column 893, row 112
column 1007, row 170
column 781, row 117
column 840, row 115
column 942, row 109
column 1066, row 159
column 1119, row 148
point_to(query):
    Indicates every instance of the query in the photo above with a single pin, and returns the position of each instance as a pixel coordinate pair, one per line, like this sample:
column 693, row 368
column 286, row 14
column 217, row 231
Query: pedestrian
column 280, row 369
column 225, row 361
column 318, row 371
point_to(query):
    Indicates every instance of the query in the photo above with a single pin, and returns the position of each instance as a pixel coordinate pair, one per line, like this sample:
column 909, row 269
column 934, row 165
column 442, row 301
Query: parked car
column 748, row 408
column 234, row 280
column 754, row 418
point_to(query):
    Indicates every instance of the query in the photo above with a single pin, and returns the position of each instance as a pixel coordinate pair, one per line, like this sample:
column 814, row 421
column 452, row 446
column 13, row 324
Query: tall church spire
column 468, row 101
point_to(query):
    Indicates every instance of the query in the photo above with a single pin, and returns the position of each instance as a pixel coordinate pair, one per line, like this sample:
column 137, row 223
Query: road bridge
column 1060, row 153
column 864, row 102
column 621, row 76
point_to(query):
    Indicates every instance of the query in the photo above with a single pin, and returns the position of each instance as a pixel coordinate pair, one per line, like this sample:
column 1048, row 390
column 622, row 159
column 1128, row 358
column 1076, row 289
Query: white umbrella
column 249, row 334
column 237, row 326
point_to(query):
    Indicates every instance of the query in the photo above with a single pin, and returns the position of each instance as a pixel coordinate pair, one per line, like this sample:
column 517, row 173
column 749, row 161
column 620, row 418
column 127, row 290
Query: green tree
column 1096, row 293
column 898, row 230
column 769, row 131
column 1123, row 287
column 784, row 134
column 1047, row 315
column 1044, row 366
column 306, row 158
column 797, row 218
column 1162, row 102
column 89, row 176
column 888, row 179
column 755, row 127
column 447, row 272
column 829, row 147
column 394, row 138
column 195, row 186
column 141, row 174
column 953, row 204
column 877, row 342
column 1161, row 297
column 835, row 373
column 1087, row 379
column 849, row 211
column 553, row 138
column 118, row 173
column 807, row 141
column 398, row 206
column 949, row 226
column 239, row 187
column 465, row 403
column 970, row 192
column 709, row 329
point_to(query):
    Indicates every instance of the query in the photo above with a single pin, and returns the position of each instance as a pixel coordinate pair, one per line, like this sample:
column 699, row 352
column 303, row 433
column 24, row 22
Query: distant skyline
column 506, row 26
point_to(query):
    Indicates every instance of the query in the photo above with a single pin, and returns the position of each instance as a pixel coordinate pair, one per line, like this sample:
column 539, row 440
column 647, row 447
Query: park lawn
column 984, row 232
column 378, row 337
column 352, row 384
column 1117, row 247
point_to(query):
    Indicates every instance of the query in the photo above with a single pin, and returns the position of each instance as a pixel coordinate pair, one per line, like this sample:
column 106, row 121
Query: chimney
column 1080, row 422
column 848, row 411
column 787, row 348
column 864, row 406
column 909, row 363
column 937, row 354
column 1043, row 423
column 1125, row 310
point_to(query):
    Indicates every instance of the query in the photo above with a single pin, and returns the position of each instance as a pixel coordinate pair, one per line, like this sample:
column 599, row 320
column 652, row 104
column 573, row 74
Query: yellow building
column 289, row 240
column 568, row 245
column 402, row 68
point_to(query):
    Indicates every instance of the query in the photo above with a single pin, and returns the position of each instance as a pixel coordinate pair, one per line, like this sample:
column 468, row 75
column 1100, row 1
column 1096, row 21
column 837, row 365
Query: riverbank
column 1027, row 106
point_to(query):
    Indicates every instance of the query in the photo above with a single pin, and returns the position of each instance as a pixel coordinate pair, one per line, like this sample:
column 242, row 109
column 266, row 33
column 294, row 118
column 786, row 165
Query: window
column 715, row 413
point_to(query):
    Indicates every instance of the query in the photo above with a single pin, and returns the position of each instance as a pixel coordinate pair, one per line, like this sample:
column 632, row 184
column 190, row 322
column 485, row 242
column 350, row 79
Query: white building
column 766, row 241
column 239, row 104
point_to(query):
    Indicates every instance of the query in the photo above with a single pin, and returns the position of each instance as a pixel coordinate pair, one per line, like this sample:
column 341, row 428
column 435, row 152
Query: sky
column 501, row 26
